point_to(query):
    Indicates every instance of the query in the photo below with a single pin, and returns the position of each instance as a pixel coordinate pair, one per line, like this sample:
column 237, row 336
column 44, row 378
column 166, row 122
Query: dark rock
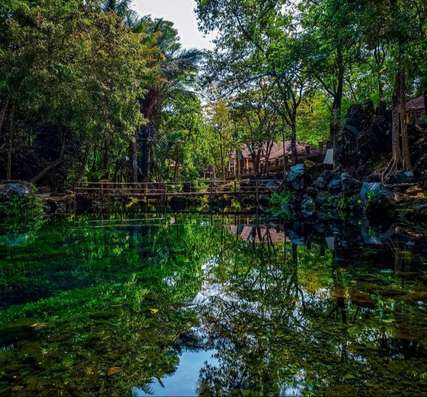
column 9, row 189
column 295, row 177
column 334, row 185
column 402, row 177
column 322, row 181
column 308, row 207
column 365, row 139
column 373, row 178
column 349, row 184
column 323, row 198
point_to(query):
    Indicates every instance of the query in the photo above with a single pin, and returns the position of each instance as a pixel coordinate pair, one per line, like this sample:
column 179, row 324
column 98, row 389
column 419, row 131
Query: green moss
column 21, row 213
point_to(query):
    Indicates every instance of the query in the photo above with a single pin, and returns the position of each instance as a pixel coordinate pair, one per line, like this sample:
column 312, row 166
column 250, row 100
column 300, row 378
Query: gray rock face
column 295, row 177
column 13, row 188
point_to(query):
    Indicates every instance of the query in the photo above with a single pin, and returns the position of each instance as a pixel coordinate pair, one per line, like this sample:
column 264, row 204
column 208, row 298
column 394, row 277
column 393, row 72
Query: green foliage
column 279, row 205
column 21, row 217
column 372, row 196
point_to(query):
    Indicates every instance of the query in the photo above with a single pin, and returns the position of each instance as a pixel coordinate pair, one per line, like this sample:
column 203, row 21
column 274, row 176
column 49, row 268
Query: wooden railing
column 247, row 187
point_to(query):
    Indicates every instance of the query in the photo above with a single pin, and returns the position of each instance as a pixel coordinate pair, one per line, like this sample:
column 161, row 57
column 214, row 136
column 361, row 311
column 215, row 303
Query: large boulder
column 295, row 177
column 9, row 189
column 373, row 191
column 378, row 201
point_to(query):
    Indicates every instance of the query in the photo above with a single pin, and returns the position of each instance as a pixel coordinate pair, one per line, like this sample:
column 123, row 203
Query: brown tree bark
column 294, row 149
column 11, row 137
column 395, row 133
column 134, row 155
column 3, row 112
column 406, row 155
column 147, row 131
column 337, row 103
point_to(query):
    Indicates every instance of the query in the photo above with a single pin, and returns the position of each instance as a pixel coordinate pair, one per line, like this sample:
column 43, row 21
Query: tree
column 402, row 33
column 77, row 72
column 173, row 71
column 257, row 124
column 330, row 47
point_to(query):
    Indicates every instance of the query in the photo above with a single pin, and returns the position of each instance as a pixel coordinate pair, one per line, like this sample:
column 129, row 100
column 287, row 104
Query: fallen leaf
column 113, row 371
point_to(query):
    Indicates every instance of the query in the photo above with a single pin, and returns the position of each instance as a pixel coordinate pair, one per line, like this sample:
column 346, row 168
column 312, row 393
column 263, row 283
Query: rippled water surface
column 184, row 305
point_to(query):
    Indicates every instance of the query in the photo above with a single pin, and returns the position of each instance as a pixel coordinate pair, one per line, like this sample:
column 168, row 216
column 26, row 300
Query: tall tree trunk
column 11, row 137
column 3, row 112
column 134, row 155
column 147, row 134
column 106, row 157
column 221, row 152
column 406, row 155
column 395, row 133
column 294, row 149
column 425, row 100
column 337, row 103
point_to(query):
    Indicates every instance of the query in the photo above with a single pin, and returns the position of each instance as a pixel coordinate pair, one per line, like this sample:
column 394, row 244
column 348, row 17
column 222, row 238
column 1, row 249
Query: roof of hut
column 276, row 150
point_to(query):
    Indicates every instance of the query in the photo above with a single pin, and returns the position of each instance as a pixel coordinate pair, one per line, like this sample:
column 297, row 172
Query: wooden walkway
column 158, row 190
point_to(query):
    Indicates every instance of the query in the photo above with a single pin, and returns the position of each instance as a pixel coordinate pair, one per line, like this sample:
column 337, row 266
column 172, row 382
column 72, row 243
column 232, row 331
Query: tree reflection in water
column 117, row 306
column 290, row 321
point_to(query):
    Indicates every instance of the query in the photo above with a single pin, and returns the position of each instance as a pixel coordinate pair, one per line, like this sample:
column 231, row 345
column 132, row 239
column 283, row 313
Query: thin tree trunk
column 134, row 150
column 10, row 142
column 106, row 157
column 406, row 155
column 337, row 104
column 425, row 101
column 221, row 151
column 294, row 144
column 146, row 138
column 395, row 135
column 3, row 112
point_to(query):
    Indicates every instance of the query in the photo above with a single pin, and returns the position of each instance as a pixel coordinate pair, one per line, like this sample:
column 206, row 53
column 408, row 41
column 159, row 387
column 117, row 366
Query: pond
column 187, row 304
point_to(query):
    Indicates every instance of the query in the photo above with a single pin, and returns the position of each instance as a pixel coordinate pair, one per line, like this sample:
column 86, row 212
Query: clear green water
column 213, row 306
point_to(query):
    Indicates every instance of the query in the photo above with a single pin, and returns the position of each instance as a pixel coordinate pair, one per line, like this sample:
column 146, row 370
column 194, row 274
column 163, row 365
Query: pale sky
column 181, row 12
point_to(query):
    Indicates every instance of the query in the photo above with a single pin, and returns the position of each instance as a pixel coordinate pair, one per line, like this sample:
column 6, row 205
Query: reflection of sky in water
column 184, row 381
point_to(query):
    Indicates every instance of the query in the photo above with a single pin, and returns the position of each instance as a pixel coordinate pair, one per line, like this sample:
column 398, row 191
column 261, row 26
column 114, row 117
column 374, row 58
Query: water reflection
column 190, row 305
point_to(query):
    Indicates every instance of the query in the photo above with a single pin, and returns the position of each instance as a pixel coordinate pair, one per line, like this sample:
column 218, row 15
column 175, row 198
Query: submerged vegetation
column 109, row 307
